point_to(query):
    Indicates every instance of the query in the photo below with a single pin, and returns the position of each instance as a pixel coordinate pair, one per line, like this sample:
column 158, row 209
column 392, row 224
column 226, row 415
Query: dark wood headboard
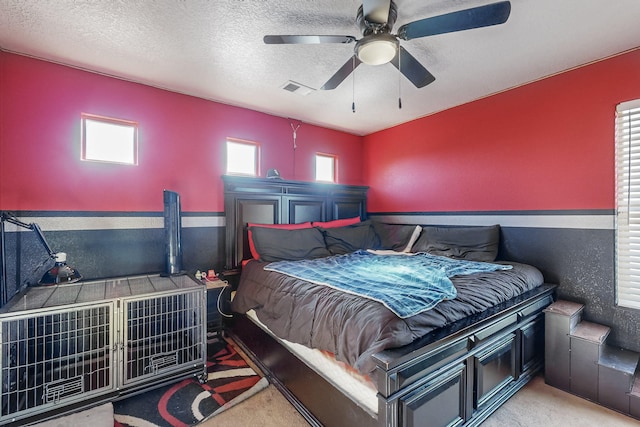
column 276, row 201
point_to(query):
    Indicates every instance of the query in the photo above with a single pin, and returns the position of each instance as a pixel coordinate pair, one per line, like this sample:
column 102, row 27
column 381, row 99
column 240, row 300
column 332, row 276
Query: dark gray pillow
column 343, row 240
column 273, row 244
column 470, row 243
column 393, row 236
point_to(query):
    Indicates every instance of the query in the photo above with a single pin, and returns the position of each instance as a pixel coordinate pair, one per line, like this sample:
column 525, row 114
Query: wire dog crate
column 160, row 334
column 64, row 345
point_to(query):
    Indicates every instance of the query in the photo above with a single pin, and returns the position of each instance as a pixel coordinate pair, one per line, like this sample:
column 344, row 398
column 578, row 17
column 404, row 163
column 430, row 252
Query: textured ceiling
column 214, row 50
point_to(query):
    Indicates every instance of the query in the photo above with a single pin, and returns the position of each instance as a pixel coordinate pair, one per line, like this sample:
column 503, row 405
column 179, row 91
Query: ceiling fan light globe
column 377, row 49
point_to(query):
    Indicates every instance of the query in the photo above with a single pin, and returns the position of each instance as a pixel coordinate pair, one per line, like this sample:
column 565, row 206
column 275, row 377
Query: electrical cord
column 215, row 278
column 226, row 285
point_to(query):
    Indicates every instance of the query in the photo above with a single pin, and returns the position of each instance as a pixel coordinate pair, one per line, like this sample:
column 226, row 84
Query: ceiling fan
column 378, row 45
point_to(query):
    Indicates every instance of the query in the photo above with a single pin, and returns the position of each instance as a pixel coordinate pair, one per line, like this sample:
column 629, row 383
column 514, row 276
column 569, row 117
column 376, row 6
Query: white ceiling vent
column 298, row 88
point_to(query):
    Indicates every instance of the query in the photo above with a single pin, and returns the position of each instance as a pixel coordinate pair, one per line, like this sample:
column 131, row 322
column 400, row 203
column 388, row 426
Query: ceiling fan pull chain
column 353, row 89
column 399, row 80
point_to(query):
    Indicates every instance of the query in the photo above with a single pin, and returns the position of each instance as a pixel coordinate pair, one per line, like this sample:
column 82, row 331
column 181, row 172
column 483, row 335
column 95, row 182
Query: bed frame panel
column 276, row 201
column 456, row 375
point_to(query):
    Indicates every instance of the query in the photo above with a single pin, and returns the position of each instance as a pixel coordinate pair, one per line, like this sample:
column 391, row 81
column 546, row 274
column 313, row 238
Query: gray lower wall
column 101, row 253
column 574, row 250
column 582, row 264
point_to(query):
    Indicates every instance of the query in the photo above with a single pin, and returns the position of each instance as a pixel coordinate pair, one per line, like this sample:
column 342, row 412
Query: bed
column 451, row 365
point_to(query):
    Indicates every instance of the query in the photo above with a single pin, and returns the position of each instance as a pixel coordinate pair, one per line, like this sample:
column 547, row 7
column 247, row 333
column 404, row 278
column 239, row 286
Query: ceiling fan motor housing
column 369, row 27
column 377, row 46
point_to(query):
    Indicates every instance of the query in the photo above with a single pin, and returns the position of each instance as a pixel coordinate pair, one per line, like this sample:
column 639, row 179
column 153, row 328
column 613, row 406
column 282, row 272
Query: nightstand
column 215, row 290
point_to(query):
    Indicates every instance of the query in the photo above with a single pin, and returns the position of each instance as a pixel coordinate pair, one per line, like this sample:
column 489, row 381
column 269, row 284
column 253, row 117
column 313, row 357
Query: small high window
column 110, row 140
column 242, row 157
column 325, row 167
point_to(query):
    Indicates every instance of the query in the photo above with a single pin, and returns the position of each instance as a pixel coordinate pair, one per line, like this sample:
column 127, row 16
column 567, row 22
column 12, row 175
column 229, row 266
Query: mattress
column 354, row 328
column 359, row 388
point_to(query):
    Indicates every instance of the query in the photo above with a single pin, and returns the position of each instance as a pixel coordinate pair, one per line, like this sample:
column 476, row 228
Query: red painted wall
column 545, row 145
column 182, row 140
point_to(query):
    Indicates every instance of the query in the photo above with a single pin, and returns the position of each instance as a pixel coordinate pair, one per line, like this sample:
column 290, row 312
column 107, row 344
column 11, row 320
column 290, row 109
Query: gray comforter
column 353, row 328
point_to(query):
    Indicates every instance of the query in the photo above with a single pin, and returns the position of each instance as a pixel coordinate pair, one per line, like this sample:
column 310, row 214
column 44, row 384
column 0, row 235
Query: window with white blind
column 628, row 204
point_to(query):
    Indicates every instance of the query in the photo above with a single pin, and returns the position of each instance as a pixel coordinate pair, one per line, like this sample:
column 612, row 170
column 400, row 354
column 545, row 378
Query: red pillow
column 337, row 222
column 252, row 247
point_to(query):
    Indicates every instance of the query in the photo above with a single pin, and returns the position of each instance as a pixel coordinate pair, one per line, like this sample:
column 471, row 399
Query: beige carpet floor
column 537, row 404
column 265, row 409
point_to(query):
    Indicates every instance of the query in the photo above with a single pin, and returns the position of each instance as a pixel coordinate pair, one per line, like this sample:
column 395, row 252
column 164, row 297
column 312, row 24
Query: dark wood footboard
column 456, row 375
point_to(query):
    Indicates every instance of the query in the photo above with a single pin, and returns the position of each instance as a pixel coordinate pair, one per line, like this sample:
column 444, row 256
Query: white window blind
column 628, row 204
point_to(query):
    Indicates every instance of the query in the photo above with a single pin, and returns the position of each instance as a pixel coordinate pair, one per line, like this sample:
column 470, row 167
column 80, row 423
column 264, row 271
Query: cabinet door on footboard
column 494, row 369
column 532, row 339
column 438, row 403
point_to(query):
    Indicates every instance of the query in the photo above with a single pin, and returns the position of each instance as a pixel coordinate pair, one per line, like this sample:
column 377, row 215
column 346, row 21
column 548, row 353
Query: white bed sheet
column 356, row 387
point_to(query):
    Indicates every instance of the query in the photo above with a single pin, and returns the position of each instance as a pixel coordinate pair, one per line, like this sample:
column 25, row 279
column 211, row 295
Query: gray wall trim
column 203, row 221
column 555, row 220
column 98, row 222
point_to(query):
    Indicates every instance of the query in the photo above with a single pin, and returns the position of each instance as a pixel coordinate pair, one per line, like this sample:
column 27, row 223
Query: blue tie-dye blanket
column 405, row 284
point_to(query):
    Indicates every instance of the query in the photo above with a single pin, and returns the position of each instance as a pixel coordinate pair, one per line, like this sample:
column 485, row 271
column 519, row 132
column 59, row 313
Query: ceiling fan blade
column 476, row 17
column 342, row 73
column 307, row 39
column 412, row 69
column 376, row 11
